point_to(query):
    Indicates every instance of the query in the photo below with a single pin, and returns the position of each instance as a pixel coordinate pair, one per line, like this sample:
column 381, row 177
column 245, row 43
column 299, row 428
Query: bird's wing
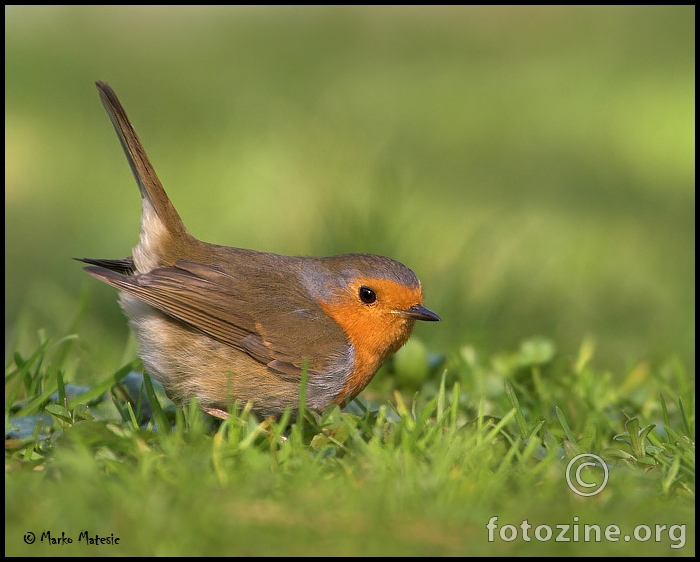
column 270, row 318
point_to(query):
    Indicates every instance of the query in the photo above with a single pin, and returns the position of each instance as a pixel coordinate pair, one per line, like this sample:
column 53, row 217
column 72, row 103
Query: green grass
column 419, row 474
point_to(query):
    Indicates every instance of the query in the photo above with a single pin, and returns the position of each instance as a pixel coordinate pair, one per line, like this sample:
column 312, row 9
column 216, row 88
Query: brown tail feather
column 152, row 191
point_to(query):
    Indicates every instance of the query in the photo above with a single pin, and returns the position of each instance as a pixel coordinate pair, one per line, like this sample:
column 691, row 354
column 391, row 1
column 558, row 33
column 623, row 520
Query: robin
column 225, row 324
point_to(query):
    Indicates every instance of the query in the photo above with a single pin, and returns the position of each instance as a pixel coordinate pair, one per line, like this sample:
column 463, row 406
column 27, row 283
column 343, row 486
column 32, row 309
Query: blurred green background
column 534, row 166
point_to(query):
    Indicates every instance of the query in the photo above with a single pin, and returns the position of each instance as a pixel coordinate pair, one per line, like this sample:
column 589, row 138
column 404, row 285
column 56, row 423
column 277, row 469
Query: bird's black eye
column 367, row 295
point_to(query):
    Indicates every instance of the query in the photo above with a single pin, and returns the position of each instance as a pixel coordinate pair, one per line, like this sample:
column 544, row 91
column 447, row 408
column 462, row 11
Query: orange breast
column 374, row 332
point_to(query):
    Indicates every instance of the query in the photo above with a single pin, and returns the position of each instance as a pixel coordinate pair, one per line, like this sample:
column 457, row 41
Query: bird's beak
column 419, row 312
